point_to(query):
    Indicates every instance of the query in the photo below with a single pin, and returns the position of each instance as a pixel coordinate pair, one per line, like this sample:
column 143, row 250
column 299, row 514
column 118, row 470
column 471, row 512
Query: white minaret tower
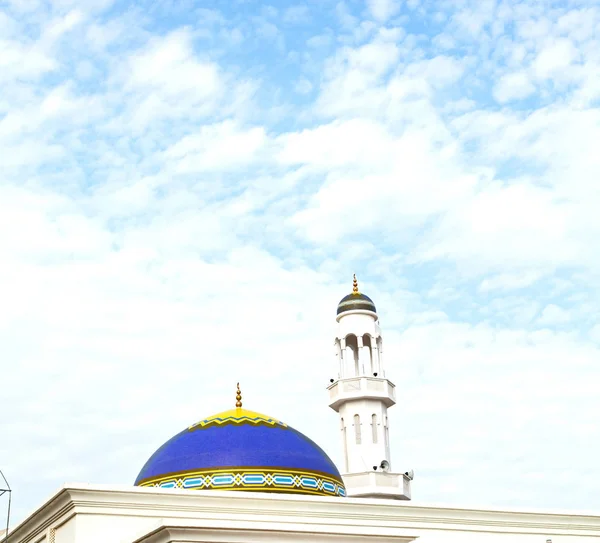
column 362, row 395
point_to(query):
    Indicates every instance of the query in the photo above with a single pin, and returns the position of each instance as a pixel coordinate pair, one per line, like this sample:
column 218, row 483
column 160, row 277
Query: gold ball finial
column 238, row 397
column 355, row 285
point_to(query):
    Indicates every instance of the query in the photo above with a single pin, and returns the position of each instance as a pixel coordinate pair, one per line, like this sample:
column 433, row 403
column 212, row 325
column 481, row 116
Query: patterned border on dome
column 253, row 479
column 237, row 416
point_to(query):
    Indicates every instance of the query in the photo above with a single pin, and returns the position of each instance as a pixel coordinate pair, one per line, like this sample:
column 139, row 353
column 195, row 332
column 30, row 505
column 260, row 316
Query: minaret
column 361, row 395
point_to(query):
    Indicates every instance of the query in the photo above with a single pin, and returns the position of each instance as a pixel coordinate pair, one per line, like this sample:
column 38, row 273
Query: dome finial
column 355, row 285
column 238, row 397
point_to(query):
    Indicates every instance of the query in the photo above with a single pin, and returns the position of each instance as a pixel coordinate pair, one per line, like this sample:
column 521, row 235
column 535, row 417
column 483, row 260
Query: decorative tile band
column 253, row 479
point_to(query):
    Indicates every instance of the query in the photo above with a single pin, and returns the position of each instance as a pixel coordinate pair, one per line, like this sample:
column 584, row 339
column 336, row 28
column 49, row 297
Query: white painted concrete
column 101, row 514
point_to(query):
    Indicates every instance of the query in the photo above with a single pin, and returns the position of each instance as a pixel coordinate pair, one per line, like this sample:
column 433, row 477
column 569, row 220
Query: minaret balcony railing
column 358, row 388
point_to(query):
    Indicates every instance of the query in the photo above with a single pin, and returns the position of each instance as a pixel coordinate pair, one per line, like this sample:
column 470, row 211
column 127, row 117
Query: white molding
column 366, row 390
column 357, row 312
column 235, row 532
column 377, row 484
column 57, row 510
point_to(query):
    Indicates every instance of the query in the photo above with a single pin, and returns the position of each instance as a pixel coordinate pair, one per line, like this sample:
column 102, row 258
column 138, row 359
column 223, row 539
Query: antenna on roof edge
column 8, row 491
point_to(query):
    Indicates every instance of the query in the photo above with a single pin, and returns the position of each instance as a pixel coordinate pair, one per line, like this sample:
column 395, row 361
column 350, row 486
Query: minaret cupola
column 356, row 301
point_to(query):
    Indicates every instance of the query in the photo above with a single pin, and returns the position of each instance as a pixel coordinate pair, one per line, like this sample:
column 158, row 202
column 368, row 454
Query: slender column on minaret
column 375, row 354
column 361, row 355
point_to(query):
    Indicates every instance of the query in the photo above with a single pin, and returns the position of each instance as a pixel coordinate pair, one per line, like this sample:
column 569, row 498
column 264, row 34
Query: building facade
column 99, row 514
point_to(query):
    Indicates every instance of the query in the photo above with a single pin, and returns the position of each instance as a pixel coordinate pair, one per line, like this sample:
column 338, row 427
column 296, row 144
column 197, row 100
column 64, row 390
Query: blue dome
column 242, row 450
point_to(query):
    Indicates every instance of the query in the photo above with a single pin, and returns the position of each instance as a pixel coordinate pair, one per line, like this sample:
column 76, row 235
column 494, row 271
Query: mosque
column 275, row 484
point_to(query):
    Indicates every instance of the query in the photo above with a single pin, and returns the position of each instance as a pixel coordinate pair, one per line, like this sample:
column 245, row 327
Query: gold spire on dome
column 355, row 285
column 238, row 397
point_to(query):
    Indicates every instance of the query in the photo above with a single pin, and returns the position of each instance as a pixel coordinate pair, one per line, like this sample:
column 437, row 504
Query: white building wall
column 362, row 451
column 120, row 528
column 100, row 514
column 64, row 533
column 359, row 357
column 357, row 323
column 103, row 514
column 484, row 536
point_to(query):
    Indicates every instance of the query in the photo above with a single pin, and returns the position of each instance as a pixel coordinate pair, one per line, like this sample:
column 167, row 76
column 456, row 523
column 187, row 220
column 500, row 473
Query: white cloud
column 439, row 71
column 579, row 24
column 346, row 19
column 322, row 40
column 505, row 373
column 381, row 182
column 444, row 41
column 60, row 26
column 215, row 147
column 519, row 226
column 460, row 106
column 554, row 58
column 353, row 142
column 513, row 86
column 382, row 10
column 170, row 68
column 166, row 80
column 552, row 315
column 62, row 102
column 353, row 75
column 474, row 19
column 508, row 281
column 19, row 60
column 90, row 5
column 267, row 30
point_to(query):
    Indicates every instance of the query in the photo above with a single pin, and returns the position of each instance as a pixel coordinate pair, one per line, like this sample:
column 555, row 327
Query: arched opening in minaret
column 374, row 427
column 345, row 445
column 357, row 433
column 340, row 358
column 386, row 433
column 351, row 356
column 377, row 355
column 367, row 355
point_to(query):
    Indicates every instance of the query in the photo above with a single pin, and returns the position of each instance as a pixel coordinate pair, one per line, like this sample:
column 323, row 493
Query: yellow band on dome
column 237, row 416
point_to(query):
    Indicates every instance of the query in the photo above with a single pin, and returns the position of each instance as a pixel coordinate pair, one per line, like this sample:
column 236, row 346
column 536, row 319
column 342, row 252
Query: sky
column 187, row 187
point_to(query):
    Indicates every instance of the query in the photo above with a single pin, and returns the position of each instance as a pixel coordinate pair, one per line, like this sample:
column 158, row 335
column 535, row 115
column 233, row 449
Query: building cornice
column 187, row 506
column 59, row 507
column 234, row 531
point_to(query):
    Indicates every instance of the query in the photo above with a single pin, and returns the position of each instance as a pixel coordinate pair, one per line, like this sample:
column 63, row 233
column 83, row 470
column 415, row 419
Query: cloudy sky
column 187, row 186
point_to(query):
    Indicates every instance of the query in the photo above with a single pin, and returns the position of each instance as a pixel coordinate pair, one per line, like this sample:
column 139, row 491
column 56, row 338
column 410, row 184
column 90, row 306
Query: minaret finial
column 355, row 285
column 238, row 397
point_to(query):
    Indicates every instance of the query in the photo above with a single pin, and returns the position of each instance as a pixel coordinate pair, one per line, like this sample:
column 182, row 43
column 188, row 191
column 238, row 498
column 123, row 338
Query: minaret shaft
column 362, row 395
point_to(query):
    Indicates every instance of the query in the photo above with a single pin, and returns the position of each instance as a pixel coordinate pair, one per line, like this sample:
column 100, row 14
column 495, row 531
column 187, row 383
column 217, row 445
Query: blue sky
column 187, row 187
